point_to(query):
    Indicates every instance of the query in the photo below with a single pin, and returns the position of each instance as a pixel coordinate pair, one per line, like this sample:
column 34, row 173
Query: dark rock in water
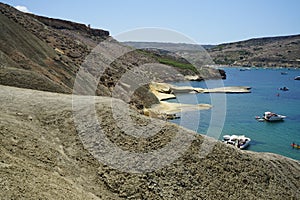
column 222, row 73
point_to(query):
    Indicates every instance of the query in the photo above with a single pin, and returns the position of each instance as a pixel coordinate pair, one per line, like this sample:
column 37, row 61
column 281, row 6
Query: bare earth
column 43, row 157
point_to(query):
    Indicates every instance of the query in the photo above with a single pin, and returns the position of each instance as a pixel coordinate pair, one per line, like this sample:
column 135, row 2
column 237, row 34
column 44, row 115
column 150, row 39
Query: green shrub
column 177, row 64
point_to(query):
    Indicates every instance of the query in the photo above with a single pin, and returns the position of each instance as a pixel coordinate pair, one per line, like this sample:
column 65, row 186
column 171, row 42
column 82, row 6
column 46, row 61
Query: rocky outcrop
column 68, row 25
column 168, row 110
column 165, row 88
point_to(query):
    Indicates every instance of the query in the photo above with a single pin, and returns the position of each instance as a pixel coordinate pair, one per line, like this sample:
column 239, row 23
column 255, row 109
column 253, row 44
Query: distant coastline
column 281, row 51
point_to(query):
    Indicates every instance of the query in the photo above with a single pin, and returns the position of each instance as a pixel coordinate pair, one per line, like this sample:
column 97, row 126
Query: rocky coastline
column 47, row 152
column 165, row 91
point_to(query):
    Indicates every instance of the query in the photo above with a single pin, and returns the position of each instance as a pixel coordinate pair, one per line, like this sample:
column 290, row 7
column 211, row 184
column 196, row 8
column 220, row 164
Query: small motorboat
column 243, row 142
column 284, row 73
column 239, row 141
column 270, row 116
column 284, row 88
column 245, row 69
column 260, row 119
column 297, row 78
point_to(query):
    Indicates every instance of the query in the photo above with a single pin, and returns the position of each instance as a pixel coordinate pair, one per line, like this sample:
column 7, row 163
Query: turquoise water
column 241, row 109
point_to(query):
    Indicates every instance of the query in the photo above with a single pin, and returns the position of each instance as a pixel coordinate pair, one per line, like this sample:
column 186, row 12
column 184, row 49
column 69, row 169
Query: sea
column 238, row 111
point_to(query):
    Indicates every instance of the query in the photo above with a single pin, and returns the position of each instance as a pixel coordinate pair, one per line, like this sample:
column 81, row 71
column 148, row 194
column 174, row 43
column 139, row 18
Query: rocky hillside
column 43, row 157
column 42, row 53
column 46, row 54
column 262, row 52
column 188, row 59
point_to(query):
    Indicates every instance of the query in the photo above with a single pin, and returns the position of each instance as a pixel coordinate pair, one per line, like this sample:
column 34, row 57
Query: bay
column 241, row 109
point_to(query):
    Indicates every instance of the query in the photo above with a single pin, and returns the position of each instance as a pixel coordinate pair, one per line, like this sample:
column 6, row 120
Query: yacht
column 270, row 116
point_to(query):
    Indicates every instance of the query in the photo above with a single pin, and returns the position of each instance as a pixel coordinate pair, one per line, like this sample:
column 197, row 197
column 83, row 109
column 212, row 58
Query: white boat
column 259, row 119
column 240, row 141
column 245, row 69
column 270, row 116
column 297, row 78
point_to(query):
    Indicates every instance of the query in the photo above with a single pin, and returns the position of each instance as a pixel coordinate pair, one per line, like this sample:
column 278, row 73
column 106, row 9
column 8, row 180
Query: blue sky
column 205, row 21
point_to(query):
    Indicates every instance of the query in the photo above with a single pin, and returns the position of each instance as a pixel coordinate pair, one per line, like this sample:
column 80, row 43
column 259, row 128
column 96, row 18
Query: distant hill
column 280, row 51
column 175, row 46
column 262, row 52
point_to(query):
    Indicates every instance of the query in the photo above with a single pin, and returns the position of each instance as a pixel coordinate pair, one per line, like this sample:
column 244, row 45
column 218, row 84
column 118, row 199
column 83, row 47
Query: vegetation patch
column 169, row 60
column 177, row 64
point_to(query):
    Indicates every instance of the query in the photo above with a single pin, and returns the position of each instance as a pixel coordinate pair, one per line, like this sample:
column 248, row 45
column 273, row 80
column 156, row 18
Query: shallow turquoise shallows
column 241, row 109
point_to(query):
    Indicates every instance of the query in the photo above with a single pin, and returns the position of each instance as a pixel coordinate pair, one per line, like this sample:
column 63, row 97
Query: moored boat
column 297, row 78
column 260, row 119
column 284, row 88
column 270, row 116
column 239, row 141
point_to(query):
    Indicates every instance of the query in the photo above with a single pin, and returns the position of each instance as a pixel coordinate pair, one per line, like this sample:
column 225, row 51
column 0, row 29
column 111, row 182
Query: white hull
column 271, row 117
column 244, row 146
column 239, row 141
column 297, row 78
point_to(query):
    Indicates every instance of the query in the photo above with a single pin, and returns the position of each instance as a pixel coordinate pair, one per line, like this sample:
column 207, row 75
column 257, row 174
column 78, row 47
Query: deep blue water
column 241, row 109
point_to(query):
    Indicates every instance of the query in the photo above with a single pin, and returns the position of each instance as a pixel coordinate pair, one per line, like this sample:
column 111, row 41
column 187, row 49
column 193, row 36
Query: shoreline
column 253, row 67
column 167, row 110
column 165, row 91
